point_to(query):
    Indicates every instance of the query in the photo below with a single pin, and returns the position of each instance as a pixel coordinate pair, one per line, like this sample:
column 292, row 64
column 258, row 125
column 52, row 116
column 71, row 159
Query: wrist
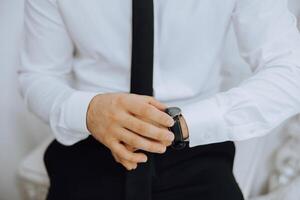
column 184, row 127
column 90, row 114
column 179, row 128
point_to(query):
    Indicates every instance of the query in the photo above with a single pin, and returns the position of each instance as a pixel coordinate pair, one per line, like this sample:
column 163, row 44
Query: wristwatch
column 179, row 141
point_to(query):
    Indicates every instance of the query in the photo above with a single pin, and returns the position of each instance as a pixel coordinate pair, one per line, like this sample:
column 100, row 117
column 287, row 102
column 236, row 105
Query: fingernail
column 171, row 122
column 170, row 136
column 144, row 160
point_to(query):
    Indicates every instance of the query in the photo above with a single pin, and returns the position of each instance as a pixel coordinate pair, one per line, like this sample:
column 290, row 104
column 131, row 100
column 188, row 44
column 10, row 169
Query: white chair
column 32, row 177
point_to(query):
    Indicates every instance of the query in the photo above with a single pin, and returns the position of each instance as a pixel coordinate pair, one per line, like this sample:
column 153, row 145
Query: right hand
column 125, row 122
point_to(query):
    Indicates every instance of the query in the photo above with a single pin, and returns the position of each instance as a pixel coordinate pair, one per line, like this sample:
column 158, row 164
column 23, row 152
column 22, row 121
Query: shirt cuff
column 76, row 110
column 205, row 122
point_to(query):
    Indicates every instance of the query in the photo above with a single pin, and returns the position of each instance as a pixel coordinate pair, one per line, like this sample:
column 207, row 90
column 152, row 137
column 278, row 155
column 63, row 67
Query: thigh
column 192, row 186
column 192, row 176
column 85, row 170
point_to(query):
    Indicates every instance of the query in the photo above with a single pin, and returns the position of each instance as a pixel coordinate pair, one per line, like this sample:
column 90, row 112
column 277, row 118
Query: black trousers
column 88, row 171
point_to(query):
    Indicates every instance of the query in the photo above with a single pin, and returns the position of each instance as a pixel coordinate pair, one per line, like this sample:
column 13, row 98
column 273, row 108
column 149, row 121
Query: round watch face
column 173, row 111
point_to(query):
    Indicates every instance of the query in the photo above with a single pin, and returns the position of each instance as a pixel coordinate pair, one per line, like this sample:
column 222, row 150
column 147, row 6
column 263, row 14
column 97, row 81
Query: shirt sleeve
column 45, row 69
column 269, row 42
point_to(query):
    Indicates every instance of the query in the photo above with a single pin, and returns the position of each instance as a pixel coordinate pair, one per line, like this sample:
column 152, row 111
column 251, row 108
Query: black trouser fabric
column 87, row 171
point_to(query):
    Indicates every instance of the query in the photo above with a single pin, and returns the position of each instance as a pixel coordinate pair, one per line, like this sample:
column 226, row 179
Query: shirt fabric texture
column 74, row 50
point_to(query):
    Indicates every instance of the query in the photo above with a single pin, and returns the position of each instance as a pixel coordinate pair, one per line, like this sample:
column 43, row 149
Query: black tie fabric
column 138, row 182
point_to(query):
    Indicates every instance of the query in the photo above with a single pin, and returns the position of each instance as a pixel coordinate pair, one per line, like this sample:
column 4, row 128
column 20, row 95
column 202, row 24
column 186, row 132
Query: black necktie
column 138, row 181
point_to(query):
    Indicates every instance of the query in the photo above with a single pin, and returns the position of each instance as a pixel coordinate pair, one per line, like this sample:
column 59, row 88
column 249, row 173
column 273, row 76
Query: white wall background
column 20, row 131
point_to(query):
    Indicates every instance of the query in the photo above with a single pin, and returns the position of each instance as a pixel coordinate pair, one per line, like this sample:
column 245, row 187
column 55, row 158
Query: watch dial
column 173, row 111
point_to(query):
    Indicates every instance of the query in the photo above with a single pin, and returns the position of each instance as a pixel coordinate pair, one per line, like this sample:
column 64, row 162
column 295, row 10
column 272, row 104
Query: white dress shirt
column 75, row 49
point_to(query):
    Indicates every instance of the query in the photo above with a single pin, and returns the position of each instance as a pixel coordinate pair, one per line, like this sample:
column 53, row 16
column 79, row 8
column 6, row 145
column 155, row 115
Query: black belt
column 138, row 181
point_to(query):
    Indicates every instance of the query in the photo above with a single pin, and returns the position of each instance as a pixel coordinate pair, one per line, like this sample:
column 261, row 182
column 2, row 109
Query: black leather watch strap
column 179, row 142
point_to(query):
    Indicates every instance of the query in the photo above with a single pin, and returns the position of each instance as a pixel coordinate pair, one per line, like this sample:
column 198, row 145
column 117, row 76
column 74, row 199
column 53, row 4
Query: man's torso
column 189, row 36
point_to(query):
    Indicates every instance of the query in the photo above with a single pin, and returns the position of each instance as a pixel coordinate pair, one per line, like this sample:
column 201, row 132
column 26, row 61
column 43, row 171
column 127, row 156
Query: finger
column 116, row 157
column 130, row 148
column 127, row 164
column 149, row 111
column 159, row 105
column 147, row 129
column 164, row 142
column 139, row 142
column 160, row 117
column 123, row 153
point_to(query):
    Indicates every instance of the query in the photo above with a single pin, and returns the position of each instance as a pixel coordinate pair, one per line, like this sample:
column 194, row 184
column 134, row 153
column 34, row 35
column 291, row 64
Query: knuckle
column 116, row 100
column 114, row 116
column 150, row 98
column 141, row 144
column 120, row 100
column 133, row 95
column 131, row 140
